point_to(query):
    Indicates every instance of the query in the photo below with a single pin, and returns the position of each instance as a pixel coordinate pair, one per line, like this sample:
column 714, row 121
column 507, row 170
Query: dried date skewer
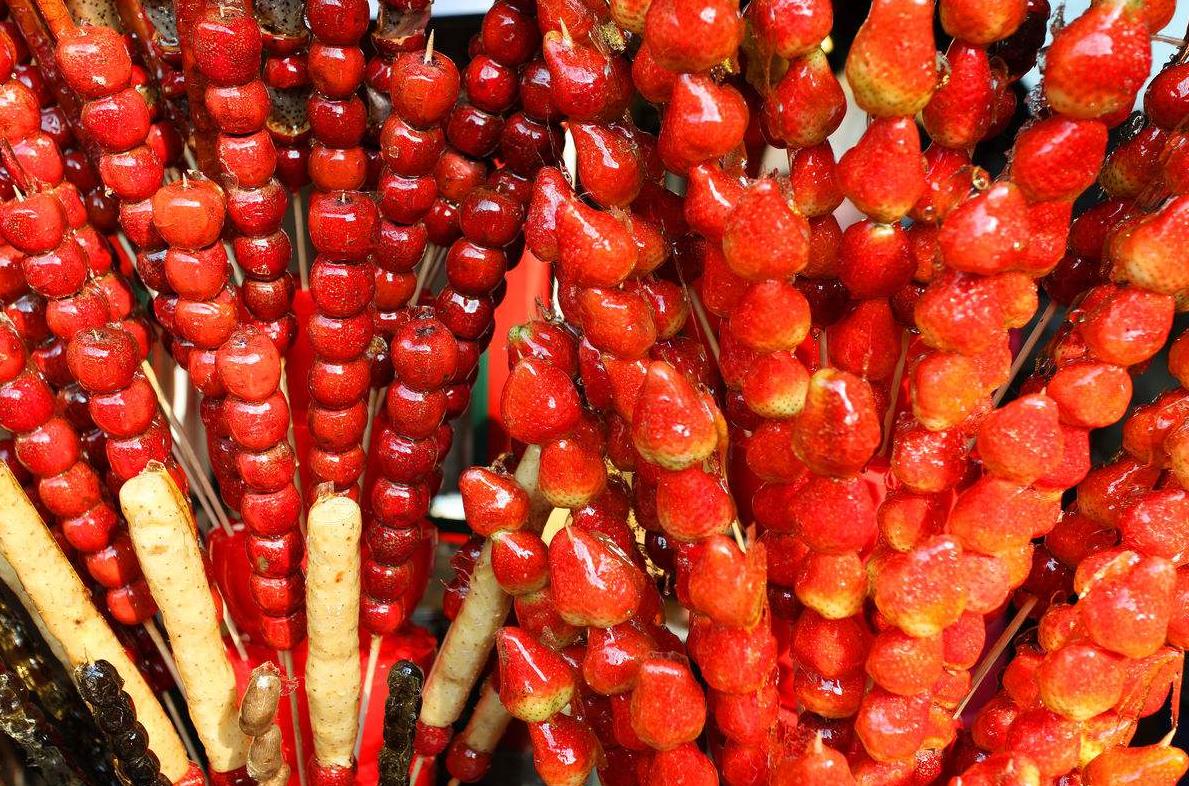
column 101, row 687
column 405, row 684
column 24, row 723
column 257, row 719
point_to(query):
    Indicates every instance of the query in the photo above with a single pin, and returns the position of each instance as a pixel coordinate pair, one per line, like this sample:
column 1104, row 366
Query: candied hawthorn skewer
column 228, row 51
column 162, row 531
column 49, row 447
column 65, row 608
column 422, row 87
column 335, row 528
column 344, row 226
column 286, row 74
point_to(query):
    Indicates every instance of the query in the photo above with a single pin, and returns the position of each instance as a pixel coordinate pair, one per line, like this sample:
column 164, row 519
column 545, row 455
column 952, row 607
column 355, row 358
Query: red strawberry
column 959, row 113
column 492, row 501
column 593, row 583
column 519, row 561
column 572, row 472
column 565, row 750
column 704, row 120
column 765, row 237
column 672, row 425
column 596, row 249
column 710, row 197
column 535, row 683
column 613, row 657
column 693, row 35
column 807, row 104
column 608, row 164
column 550, row 190
column 839, row 428
column 668, row 707
column 772, row 315
column 790, row 28
column 982, row 23
column 617, row 322
column 1098, row 63
column 892, row 65
column 726, row 584
column 884, row 174
column 539, row 402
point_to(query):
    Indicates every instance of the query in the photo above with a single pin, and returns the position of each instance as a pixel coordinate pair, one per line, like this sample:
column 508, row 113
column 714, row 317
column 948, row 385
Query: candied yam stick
column 65, row 606
column 334, row 529
column 162, row 532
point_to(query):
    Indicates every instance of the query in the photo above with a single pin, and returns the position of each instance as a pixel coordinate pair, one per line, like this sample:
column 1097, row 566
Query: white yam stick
column 332, row 610
column 64, row 606
column 487, row 723
column 163, row 535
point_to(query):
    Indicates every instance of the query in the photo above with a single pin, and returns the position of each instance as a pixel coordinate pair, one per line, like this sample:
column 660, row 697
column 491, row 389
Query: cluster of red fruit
column 844, row 394
column 796, row 430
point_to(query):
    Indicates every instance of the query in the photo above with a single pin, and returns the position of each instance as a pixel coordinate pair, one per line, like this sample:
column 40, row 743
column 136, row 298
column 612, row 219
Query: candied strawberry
column 1058, row 157
column 1128, row 610
column 565, row 750
column 1098, row 63
column 1152, row 765
column 790, row 28
column 874, row 259
column 1129, row 327
column 1080, row 680
column 704, row 120
column 813, row 174
column 596, row 249
column 982, row 23
column 922, row 592
column 539, row 402
column 884, row 174
column 1146, row 254
column 672, row 425
column 692, row 35
column 1022, row 441
column 535, row 682
column 903, row 664
column 692, row 504
column 892, row 65
column 1134, row 166
column 492, row 501
column 668, row 707
column 765, row 237
column 807, row 104
column 593, row 583
column 839, row 428
column 959, row 113
column 726, row 584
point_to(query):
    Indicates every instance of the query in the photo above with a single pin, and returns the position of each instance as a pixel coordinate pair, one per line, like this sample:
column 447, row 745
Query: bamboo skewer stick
column 992, row 656
column 213, row 506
